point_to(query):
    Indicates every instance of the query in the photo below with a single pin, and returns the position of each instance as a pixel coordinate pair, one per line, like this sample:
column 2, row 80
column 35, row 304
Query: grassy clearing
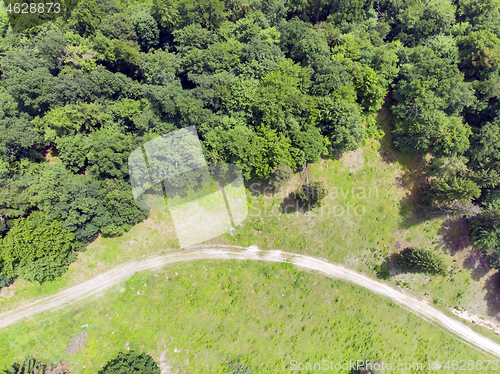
column 369, row 214
column 264, row 315
column 155, row 234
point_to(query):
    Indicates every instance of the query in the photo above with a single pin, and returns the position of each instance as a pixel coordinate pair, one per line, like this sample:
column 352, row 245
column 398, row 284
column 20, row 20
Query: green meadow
column 198, row 317
column 368, row 215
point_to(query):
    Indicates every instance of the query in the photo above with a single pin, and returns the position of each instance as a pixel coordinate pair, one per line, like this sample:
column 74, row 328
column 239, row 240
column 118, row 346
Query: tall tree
column 421, row 261
column 147, row 30
column 485, row 228
column 341, row 122
column 38, row 250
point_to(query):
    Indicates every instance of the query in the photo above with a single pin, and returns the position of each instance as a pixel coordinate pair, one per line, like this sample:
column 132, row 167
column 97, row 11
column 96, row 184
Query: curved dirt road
column 118, row 274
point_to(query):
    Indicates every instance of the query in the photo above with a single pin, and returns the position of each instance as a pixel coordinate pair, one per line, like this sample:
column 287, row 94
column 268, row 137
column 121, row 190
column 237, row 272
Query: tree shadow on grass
column 492, row 297
column 411, row 214
column 475, row 262
column 413, row 178
column 389, row 267
column 291, row 204
column 386, row 151
column 456, row 235
column 336, row 156
column 414, row 168
column 259, row 188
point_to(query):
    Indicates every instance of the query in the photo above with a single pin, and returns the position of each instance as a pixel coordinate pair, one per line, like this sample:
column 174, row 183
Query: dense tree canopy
column 269, row 85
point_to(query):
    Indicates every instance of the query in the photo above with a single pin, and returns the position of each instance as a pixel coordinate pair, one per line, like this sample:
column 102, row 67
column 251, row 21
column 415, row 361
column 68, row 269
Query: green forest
column 267, row 83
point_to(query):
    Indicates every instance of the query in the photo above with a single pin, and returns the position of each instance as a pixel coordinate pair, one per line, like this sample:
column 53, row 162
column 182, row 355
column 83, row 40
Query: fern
column 77, row 342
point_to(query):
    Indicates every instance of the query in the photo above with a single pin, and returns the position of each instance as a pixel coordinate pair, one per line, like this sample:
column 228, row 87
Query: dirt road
column 118, row 274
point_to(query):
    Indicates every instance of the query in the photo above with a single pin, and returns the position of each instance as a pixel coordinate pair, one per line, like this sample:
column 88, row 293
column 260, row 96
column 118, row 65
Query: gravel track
column 102, row 282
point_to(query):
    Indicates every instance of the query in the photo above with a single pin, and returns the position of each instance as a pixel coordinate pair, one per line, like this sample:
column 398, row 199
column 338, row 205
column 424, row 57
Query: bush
column 416, row 260
column 131, row 362
column 28, row 366
column 311, row 194
column 5, row 280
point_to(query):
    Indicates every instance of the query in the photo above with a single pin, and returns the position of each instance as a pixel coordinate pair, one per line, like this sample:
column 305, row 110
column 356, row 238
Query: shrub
column 5, row 280
column 417, row 260
column 311, row 194
column 131, row 362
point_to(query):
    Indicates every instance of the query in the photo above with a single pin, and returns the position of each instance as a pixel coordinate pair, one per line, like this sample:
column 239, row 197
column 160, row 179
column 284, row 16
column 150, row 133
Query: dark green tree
column 311, row 143
column 50, row 48
column 302, row 43
column 207, row 13
column 159, row 67
column 131, row 362
column 73, row 152
column 194, row 36
column 15, row 195
column 256, row 153
column 80, row 208
column 86, row 17
column 485, row 229
column 417, row 260
column 119, row 203
column 485, row 146
column 481, row 14
column 19, row 138
column 119, row 26
column 418, row 21
column 147, row 30
column 107, row 153
column 479, row 53
column 72, row 199
column 448, row 190
column 72, row 119
column 166, row 13
column 38, row 250
column 341, row 122
column 260, row 57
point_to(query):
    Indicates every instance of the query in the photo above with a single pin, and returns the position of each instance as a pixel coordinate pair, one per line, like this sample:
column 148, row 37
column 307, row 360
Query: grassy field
column 193, row 316
column 369, row 214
